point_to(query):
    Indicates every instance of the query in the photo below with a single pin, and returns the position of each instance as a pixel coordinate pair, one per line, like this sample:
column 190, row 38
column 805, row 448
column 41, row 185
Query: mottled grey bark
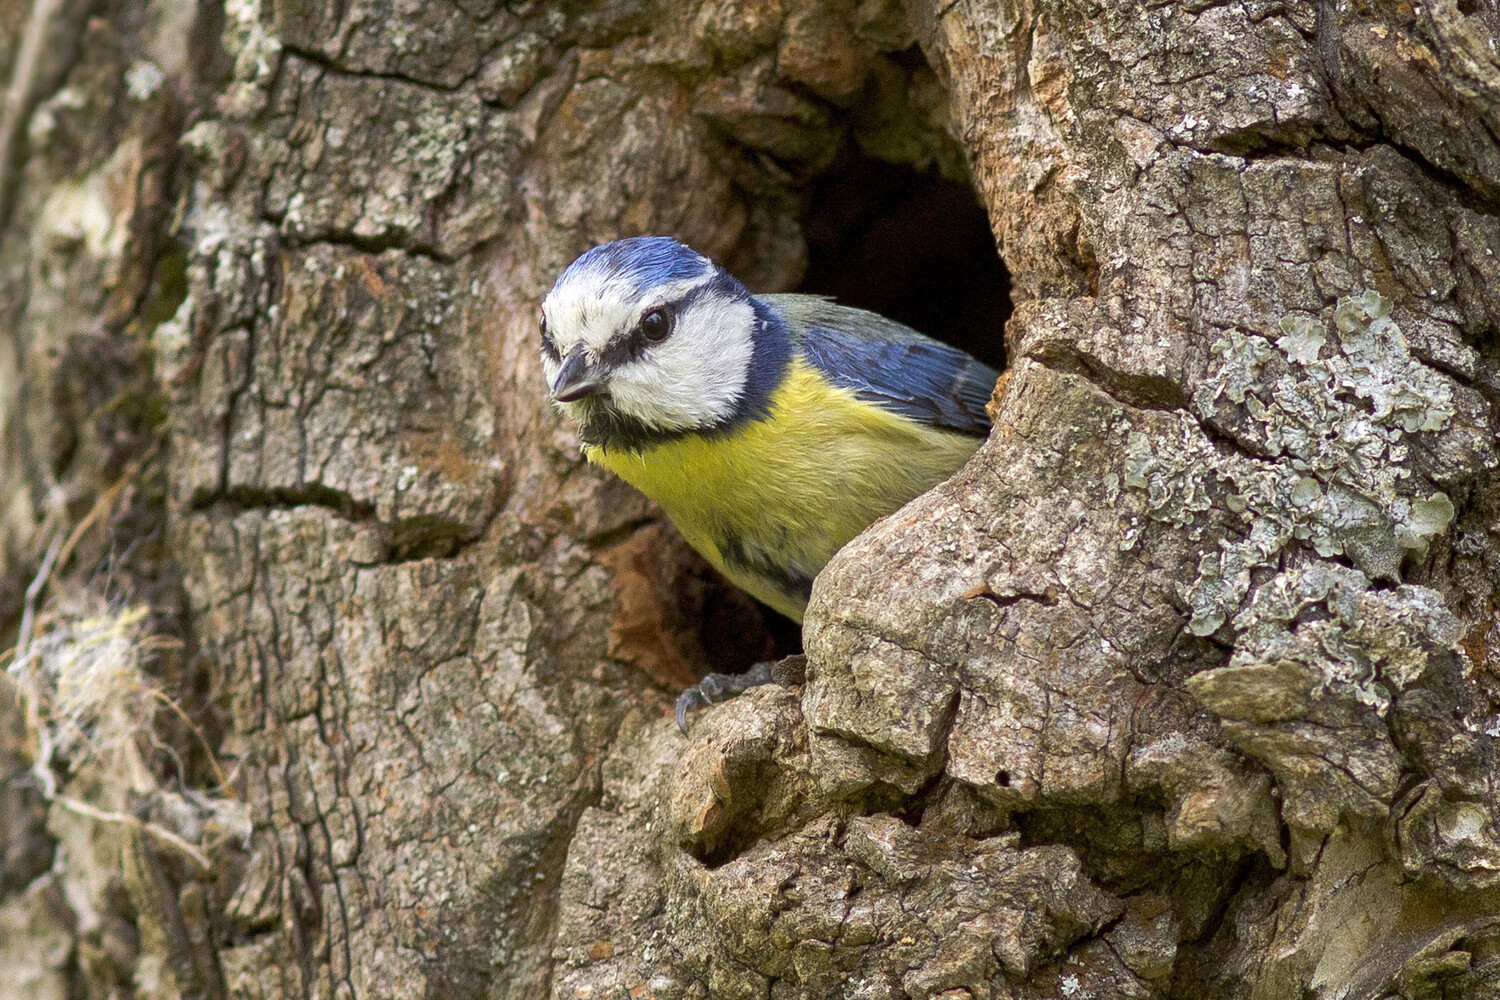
column 1186, row 686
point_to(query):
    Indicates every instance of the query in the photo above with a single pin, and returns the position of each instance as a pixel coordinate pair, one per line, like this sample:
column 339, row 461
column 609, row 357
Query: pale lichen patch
column 1335, row 476
column 1328, row 661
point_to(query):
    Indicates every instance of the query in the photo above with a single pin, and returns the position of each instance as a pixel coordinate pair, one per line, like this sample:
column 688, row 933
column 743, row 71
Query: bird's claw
column 720, row 687
column 689, row 701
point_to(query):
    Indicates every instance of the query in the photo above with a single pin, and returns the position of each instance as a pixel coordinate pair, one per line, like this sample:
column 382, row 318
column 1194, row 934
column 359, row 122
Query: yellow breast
column 770, row 502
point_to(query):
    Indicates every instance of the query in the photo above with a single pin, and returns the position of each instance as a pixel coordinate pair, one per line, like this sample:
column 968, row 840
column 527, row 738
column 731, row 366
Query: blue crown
column 638, row 262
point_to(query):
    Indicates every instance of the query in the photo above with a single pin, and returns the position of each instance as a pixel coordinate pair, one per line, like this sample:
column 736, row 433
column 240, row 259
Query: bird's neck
column 770, row 360
column 601, row 424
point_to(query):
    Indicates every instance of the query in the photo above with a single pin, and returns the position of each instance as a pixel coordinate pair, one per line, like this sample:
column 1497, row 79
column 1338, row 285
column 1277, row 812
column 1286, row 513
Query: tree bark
column 340, row 674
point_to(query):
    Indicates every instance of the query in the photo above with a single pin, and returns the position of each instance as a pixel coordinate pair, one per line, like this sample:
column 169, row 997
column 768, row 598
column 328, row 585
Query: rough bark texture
column 1188, row 685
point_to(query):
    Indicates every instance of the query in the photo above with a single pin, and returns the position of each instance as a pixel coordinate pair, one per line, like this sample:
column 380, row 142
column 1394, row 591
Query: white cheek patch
column 696, row 376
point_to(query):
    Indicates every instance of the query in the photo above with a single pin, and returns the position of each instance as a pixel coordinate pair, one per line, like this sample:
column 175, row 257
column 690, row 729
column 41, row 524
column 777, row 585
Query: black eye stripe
column 633, row 344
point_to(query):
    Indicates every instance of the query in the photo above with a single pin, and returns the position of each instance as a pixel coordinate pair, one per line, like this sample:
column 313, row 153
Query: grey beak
column 575, row 379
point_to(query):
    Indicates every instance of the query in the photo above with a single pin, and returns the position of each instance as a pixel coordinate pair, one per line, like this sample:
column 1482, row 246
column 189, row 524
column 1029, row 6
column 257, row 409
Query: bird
column 770, row 428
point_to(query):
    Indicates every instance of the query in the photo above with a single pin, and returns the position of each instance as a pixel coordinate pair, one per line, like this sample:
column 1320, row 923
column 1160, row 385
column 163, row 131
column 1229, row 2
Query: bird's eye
column 656, row 324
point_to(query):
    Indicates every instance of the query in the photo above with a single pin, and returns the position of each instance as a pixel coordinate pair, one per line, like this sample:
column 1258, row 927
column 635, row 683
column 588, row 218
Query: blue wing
column 891, row 365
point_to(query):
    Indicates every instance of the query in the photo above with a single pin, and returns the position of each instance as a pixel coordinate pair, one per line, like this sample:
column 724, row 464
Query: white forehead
column 606, row 290
column 590, row 312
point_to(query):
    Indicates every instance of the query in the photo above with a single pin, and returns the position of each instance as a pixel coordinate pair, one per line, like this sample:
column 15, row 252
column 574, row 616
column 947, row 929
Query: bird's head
column 644, row 338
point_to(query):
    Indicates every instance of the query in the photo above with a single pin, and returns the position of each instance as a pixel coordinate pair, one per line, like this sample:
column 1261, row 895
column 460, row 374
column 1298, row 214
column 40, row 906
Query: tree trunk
column 341, row 675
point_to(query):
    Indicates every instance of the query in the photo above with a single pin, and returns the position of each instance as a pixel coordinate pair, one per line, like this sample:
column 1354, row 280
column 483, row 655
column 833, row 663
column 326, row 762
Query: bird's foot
column 721, row 687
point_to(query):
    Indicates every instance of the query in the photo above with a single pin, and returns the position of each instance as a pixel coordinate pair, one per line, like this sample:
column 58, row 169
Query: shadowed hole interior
column 913, row 246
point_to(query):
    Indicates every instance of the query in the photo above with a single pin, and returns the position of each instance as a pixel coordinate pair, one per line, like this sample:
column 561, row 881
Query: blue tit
column 771, row 429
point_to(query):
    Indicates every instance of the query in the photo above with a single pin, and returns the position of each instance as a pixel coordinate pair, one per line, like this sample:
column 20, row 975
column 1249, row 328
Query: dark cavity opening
column 913, row 246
